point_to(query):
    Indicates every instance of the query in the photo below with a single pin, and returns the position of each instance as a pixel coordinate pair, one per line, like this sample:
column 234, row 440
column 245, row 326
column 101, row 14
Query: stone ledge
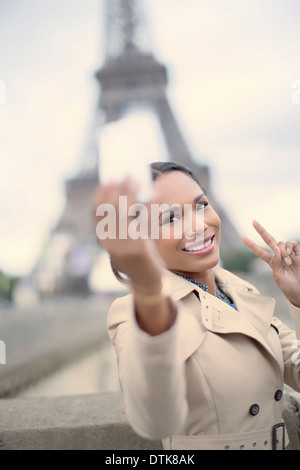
column 89, row 422
column 291, row 415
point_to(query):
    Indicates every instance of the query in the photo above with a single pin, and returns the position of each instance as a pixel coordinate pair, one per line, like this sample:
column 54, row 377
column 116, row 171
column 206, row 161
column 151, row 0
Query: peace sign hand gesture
column 284, row 261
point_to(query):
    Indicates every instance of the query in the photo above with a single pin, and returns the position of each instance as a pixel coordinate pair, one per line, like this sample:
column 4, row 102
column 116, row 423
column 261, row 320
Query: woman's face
column 197, row 248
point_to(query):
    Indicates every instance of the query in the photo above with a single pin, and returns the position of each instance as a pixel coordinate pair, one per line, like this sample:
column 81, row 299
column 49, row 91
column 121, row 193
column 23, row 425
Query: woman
column 203, row 362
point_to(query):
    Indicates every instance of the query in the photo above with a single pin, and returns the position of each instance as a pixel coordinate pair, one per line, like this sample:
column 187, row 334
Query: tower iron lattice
column 130, row 75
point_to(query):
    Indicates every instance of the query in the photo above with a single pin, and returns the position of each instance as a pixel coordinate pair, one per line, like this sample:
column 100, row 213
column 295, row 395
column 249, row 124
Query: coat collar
column 181, row 287
column 254, row 311
column 256, row 308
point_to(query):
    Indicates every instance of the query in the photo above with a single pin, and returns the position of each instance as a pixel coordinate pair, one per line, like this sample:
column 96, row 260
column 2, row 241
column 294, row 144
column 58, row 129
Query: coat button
column 278, row 395
column 254, row 409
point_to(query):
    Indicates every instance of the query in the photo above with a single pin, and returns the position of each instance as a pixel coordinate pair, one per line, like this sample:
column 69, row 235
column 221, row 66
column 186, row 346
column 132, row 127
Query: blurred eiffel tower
column 131, row 76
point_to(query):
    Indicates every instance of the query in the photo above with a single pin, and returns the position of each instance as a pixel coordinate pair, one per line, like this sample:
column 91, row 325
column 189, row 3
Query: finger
column 267, row 238
column 103, row 195
column 111, row 192
column 288, row 250
column 293, row 248
column 277, row 265
column 133, row 190
column 257, row 250
column 123, row 197
column 284, row 252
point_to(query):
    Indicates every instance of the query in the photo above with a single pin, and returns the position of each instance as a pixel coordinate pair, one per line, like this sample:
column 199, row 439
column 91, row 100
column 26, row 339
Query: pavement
column 48, row 336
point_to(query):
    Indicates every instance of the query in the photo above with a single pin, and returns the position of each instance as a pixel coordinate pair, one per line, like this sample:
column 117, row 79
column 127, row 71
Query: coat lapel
column 253, row 307
column 252, row 317
column 254, row 311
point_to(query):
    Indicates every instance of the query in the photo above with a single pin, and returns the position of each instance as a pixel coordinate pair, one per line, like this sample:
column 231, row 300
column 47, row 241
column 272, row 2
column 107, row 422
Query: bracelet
column 152, row 299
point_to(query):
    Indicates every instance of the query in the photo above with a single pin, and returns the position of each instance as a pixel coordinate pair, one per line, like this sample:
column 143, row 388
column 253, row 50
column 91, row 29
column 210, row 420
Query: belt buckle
column 274, row 436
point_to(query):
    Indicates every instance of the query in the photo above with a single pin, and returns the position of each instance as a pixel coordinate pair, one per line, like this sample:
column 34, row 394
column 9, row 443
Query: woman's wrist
column 154, row 309
column 155, row 319
column 152, row 294
column 143, row 272
column 147, row 279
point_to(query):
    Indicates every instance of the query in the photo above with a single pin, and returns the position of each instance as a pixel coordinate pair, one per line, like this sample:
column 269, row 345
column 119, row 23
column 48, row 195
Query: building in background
column 132, row 81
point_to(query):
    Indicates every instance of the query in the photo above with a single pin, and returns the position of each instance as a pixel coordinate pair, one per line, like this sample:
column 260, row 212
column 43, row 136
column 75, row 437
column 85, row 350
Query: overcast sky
column 232, row 65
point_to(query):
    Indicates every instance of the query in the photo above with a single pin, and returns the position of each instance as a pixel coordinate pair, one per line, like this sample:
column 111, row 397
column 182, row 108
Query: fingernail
column 287, row 261
column 288, row 250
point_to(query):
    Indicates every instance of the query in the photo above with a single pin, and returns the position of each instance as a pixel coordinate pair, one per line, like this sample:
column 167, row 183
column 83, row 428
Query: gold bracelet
column 152, row 299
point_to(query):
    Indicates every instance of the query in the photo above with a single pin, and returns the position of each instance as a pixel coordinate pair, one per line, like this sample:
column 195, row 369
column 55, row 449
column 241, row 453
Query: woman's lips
column 201, row 248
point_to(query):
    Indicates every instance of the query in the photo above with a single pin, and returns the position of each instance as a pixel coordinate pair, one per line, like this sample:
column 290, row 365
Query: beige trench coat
column 215, row 379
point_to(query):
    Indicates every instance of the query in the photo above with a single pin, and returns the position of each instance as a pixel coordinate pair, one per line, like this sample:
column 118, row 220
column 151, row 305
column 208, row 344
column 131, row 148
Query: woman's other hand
column 284, row 261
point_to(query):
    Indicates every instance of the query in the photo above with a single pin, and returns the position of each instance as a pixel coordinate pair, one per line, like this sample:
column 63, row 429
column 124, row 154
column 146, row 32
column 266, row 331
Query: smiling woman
column 202, row 360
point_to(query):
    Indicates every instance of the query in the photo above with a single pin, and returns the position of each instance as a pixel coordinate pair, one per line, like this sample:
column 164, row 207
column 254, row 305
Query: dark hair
column 158, row 169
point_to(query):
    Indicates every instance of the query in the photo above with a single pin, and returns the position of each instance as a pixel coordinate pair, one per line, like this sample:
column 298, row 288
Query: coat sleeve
column 151, row 369
column 290, row 343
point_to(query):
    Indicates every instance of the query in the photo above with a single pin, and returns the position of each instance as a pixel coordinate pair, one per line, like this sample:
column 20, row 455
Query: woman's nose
column 194, row 225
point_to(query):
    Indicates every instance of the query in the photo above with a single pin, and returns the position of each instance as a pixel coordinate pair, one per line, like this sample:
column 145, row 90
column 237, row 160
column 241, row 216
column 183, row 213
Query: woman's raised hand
column 284, row 261
column 137, row 258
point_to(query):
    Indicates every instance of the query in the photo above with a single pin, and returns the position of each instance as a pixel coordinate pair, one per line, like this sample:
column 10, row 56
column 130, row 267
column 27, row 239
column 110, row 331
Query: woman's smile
column 198, row 248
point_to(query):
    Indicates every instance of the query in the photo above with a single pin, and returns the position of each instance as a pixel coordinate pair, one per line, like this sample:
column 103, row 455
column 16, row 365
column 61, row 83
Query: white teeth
column 199, row 247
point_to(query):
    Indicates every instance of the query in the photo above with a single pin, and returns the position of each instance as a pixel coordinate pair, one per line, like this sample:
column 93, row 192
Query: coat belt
column 265, row 439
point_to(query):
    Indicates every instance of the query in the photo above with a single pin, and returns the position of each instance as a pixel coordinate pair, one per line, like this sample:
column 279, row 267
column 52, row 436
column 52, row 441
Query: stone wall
column 89, row 422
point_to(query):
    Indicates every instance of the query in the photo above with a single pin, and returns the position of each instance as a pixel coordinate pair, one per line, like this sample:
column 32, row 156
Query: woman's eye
column 202, row 205
column 171, row 218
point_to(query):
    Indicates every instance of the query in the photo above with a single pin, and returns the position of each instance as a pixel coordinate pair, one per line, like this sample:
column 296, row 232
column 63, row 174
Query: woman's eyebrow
column 170, row 209
column 198, row 198
column 175, row 206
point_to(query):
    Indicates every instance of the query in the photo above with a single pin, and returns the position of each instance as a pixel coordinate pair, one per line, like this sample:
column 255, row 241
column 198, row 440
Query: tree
column 238, row 260
column 6, row 286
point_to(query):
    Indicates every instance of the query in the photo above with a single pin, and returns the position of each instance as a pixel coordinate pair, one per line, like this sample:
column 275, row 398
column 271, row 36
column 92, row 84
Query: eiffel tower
column 131, row 76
